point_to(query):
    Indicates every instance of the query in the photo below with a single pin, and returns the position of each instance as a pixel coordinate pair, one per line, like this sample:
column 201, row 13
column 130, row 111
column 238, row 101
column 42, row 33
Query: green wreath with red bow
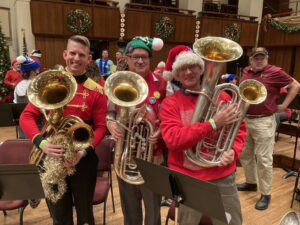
column 79, row 21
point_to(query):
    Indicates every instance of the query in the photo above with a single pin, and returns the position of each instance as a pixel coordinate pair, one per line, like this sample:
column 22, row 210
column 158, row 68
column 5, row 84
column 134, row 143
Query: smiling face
column 77, row 57
column 189, row 76
column 139, row 62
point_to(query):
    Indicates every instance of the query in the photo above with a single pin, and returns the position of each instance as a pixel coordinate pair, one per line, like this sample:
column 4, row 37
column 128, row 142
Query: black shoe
column 247, row 187
column 263, row 202
column 166, row 202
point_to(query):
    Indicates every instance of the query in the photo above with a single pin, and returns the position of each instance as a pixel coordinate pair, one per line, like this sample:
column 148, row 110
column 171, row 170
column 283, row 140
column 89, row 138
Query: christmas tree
column 4, row 67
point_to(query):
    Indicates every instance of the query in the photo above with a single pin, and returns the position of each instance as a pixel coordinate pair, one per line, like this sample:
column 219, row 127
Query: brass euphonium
column 127, row 90
column 216, row 52
column 51, row 91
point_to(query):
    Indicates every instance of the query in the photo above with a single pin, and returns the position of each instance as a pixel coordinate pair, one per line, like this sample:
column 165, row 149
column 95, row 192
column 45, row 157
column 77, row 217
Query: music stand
column 202, row 196
column 20, row 182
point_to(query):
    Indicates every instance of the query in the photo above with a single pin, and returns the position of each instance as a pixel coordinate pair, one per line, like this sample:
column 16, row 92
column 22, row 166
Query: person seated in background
column 229, row 78
column 13, row 77
column 286, row 114
column 160, row 68
column 121, row 61
column 29, row 69
column 36, row 55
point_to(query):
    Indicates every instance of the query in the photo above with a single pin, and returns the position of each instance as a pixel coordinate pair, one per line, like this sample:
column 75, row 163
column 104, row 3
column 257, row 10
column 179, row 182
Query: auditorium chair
column 104, row 183
column 15, row 152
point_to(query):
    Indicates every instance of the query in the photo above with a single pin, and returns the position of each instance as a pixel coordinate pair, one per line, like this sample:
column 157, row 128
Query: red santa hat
column 14, row 62
column 178, row 57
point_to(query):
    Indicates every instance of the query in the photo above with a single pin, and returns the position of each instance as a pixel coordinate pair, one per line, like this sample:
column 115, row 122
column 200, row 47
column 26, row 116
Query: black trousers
column 80, row 192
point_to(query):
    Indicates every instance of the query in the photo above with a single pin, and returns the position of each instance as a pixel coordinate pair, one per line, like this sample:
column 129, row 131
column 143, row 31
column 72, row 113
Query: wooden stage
column 280, row 203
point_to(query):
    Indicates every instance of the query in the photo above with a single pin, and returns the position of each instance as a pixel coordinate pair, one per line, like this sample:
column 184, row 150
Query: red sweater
column 176, row 115
column 12, row 78
column 94, row 113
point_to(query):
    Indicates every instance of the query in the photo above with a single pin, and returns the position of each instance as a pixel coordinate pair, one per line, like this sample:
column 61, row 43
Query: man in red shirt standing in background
column 257, row 158
column 13, row 77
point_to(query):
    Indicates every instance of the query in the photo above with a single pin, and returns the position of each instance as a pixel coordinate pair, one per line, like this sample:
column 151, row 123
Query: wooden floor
column 280, row 204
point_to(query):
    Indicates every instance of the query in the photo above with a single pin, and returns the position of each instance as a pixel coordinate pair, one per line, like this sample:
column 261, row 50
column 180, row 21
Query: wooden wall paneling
column 52, row 49
column 297, row 64
column 47, row 18
column 248, row 34
column 138, row 23
column 210, row 27
column 106, row 23
column 185, row 29
column 272, row 37
column 292, row 39
column 282, row 57
column 67, row 9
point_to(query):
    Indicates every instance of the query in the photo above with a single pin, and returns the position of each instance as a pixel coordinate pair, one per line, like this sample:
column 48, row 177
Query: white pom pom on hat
column 157, row 44
column 21, row 59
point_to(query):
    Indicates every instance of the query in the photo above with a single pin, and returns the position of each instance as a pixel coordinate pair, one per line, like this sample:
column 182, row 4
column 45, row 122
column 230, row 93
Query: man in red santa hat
column 13, row 77
column 180, row 134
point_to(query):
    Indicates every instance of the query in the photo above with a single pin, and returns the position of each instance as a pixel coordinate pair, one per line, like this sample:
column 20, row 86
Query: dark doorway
column 97, row 46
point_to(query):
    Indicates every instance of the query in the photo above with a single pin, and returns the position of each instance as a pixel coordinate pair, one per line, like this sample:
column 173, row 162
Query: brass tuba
column 290, row 218
column 51, row 91
column 216, row 52
column 127, row 90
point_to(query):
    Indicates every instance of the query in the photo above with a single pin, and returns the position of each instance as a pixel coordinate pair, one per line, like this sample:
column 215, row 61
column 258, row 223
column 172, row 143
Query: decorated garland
column 233, row 32
column 79, row 21
column 164, row 28
column 282, row 27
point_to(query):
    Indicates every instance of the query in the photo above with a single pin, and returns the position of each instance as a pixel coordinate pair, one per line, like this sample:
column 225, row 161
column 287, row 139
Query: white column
column 251, row 8
column 23, row 21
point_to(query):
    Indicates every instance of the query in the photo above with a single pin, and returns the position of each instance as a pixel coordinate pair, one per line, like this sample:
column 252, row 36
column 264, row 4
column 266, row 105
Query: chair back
column 104, row 153
column 15, row 151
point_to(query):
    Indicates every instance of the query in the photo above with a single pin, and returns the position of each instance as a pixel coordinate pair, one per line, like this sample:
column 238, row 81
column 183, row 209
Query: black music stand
column 204, row 197
column 20, row 182
column 16, row 110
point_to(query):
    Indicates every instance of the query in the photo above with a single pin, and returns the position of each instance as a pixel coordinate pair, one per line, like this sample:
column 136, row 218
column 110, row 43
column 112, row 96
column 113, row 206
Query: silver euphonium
column 127, row 90
column 51, row 91
column 216, row 52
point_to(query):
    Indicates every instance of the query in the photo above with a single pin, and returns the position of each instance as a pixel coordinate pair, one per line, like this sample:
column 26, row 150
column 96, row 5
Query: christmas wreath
column 79, row 21
column 233, row 32
column 164, row 28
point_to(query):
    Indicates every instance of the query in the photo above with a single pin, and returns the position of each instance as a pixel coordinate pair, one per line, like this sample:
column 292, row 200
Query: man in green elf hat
column 138, row 55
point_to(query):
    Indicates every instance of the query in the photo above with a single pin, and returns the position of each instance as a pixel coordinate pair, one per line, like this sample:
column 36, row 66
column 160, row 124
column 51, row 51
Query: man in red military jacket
column 90, row 104
column 180, row 135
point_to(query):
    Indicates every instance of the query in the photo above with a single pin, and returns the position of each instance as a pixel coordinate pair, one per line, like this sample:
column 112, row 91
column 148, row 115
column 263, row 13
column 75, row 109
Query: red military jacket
column 89, row 103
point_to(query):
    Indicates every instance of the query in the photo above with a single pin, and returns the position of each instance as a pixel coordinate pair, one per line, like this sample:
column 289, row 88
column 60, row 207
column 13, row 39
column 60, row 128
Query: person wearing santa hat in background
column 180, row 134
column 138, row 54
column 36, row 55
column 13, row 77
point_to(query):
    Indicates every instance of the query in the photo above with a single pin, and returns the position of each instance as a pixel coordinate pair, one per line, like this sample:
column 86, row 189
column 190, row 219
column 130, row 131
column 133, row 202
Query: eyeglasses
column 137, row 58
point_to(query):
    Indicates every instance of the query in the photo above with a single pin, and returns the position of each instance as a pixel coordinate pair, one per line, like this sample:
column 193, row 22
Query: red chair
column 103, row 184
column 205, row 220
column 15, row 152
